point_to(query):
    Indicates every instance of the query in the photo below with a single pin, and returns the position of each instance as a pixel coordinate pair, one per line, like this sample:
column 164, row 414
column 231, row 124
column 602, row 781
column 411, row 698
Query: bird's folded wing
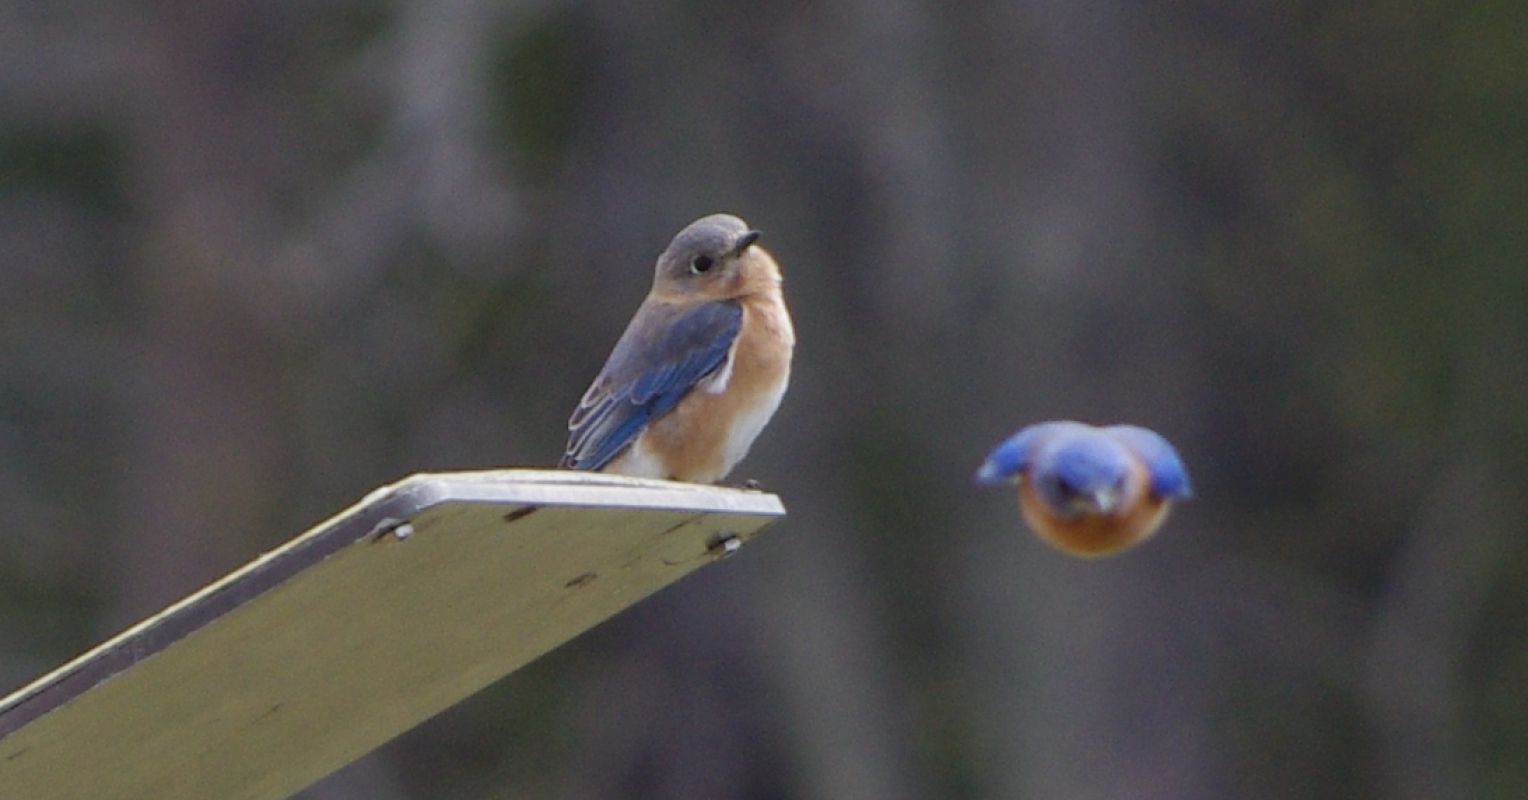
column 666, row 350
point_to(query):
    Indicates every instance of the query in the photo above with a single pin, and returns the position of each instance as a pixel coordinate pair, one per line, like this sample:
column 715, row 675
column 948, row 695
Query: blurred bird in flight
column 1089, row 491
column 701, row 367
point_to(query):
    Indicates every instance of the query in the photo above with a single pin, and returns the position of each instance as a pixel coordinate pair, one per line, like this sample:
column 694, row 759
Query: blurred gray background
column 258, row 258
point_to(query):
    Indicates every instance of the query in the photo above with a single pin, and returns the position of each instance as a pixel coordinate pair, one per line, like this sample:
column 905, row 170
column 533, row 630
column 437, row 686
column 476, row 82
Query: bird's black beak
column 746, row 240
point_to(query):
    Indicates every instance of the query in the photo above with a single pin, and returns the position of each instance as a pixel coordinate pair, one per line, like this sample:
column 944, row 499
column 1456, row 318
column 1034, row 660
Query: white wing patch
column 717, row 382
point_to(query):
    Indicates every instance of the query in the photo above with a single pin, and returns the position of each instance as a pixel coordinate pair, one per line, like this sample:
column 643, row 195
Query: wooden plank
column 323, row 649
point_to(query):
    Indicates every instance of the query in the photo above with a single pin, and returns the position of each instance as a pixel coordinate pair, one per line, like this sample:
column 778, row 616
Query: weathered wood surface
column 353, row 632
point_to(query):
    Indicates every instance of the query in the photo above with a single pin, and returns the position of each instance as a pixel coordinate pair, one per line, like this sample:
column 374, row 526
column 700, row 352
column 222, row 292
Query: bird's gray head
column 705, row 252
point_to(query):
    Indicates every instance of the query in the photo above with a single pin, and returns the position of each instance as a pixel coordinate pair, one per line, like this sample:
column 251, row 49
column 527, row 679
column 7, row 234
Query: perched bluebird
column 701, row 367
column 1089, row 491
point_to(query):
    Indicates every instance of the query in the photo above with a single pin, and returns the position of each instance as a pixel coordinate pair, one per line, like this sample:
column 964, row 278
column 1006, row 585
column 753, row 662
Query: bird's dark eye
column 700, row 264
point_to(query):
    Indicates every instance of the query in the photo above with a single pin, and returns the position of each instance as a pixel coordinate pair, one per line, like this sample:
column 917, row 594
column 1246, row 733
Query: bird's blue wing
column 1169, row 478
column 666, row 350
column 1015, row 455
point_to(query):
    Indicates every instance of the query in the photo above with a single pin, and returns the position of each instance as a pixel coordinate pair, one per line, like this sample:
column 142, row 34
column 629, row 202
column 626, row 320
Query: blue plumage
column 1082, row 457
column 1083, row 464
column 665, row 351
column 1169, row 478
column 1009, row 460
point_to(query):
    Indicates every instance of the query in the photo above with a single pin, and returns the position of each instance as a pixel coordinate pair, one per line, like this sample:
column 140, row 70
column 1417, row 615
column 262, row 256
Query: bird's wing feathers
column 1169, row 478
column 1009, row 460
column 666, row 350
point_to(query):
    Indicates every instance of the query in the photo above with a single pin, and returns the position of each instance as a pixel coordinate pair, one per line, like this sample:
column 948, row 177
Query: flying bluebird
column 1089, row 491
column 701, row 367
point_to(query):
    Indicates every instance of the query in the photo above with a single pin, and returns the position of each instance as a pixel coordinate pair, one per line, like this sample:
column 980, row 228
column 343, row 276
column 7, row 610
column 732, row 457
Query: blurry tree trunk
column 829, row 647
column 1099, row 689
column 1410, row 672
column 1450, row 556
column 204, row 427
column 204, row 406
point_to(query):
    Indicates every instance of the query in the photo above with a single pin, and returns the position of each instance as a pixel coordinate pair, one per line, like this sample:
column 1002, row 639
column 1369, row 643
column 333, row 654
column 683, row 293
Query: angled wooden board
column 323, row 649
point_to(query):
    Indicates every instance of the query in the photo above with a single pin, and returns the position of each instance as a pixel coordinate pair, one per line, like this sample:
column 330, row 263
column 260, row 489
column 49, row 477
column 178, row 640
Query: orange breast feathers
column 1136, row 516
column 714, row 426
